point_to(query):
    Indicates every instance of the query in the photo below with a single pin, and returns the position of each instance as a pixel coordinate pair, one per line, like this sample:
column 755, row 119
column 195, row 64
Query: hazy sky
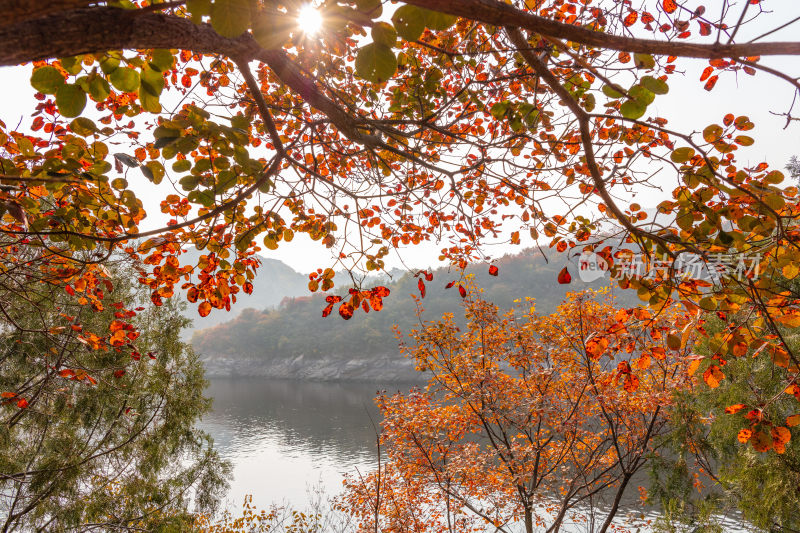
column 687, row 106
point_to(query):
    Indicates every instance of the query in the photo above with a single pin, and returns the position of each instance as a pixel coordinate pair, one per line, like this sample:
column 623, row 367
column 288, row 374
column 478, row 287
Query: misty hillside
column 296, row 328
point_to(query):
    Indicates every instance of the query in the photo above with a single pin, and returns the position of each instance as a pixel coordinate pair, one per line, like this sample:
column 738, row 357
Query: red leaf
column 493, row 270
column 421, row 286
column 376, row 302
column 450, row 285
column 428, row 276
column 381, row 291
column 119, row 373
column 22, row 403
column 8, row 395
column 346, row 311
column 669, row 5
column 711, row 82
column 563, row 277
column 632, row 17
column 327, row 310
column 462, row 291
column 631, row 382
column 705, row 28
column 706, row 73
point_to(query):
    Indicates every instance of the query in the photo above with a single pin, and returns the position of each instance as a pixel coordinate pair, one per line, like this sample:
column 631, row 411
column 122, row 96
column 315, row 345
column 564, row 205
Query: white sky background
column 687, row 106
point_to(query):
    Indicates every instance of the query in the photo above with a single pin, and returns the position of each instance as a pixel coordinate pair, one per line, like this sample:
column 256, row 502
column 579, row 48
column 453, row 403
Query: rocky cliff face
column 384, row 368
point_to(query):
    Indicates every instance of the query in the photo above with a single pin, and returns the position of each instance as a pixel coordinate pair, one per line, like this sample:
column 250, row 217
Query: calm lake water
column 287, row 437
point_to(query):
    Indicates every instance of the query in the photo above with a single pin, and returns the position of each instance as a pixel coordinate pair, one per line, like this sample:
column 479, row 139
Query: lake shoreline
column 387, row 368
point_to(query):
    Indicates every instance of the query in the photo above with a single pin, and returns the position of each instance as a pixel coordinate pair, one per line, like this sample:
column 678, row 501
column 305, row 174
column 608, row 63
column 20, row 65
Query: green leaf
column 125, row 79
column 70, row 100
column 152, row 81
column 162, row 60
column 774, row 201
column 82, row 126
column 409, row 21
column 372, row 8
column 127, row 160
column 181, row 165
column 713, row 133
column 438, row 21
column 375, row 63
column 644, row 61
column 654, row 85
column 99, row 89
column 190, row 182
column 632, row 109
column 198, row 9
column 154, row 171
column 589, row 102
column 109, row 64
column 47, row 80
column 642, row 95
column 774, row 177
column 611, row 92
column 72, row 64
column 682, row 155
column 384, row 33
column 149, row 102
column 230, row 18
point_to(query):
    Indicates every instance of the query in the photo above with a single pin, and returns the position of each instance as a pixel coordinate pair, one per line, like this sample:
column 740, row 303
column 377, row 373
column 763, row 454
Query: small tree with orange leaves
column 543, row 419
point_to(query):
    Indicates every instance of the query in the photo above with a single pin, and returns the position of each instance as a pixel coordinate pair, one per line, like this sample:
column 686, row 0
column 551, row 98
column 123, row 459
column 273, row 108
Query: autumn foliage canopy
column 462, row 122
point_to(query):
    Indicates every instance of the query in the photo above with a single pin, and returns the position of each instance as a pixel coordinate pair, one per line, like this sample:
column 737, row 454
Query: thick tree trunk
column 100, row 29
column 37, row 31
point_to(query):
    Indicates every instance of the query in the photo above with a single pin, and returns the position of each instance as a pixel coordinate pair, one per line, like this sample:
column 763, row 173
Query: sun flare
column 309, row 19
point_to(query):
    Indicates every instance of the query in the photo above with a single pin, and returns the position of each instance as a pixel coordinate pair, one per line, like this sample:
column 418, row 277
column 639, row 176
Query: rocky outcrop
column 384, row 368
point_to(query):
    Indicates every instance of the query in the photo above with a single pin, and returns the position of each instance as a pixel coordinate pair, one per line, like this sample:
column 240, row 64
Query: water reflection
column 284, row 437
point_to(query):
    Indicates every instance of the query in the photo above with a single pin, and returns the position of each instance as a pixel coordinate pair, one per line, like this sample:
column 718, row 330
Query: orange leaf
column 793, row 420
column 346, row 311
column 744, row 435
column 204, row 309
column 8, row 395
column 781, row 434
column 713, row 376
column 631, row 382
column 669, row 6
column 735, row 408
column 22, row 403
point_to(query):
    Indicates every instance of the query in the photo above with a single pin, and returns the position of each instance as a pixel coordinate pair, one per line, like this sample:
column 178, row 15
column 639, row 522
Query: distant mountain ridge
column 295, row 341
